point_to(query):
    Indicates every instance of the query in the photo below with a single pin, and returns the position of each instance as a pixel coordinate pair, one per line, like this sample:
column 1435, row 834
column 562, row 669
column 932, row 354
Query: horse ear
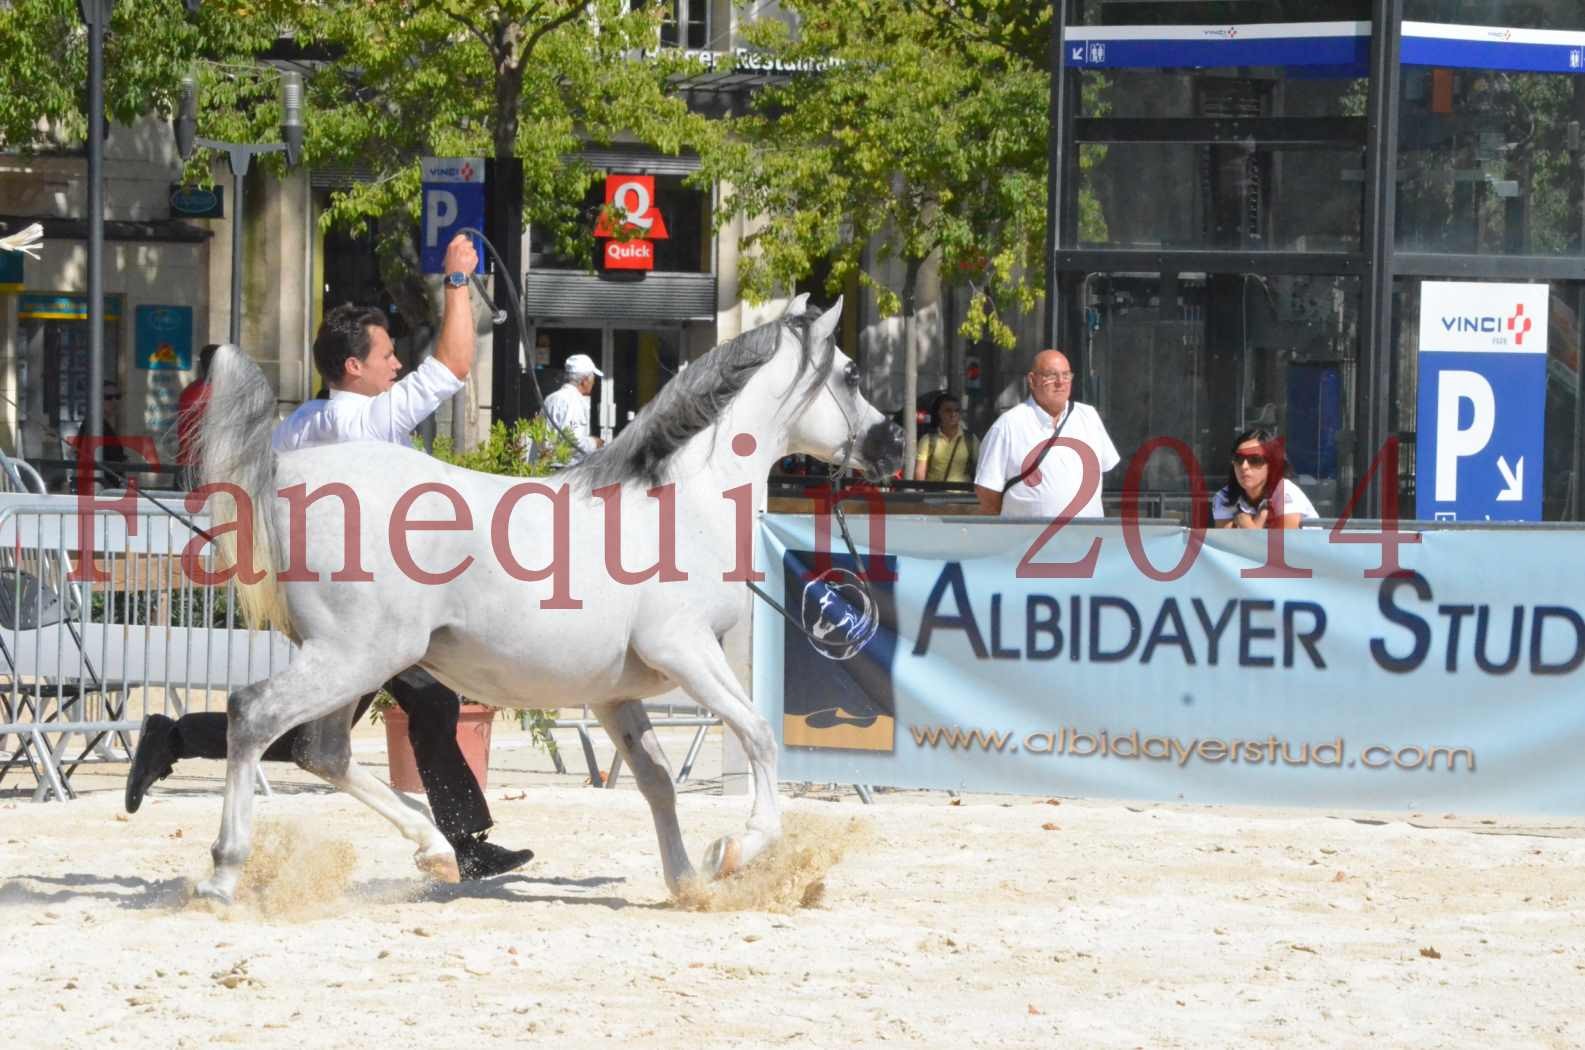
column 826, row 324
column 798, row 305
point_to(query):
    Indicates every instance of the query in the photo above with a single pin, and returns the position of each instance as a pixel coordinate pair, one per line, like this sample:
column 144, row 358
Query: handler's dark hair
column 344, row 333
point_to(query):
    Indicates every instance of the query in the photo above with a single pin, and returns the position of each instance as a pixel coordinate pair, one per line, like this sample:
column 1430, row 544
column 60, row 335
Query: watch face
column 456, row 278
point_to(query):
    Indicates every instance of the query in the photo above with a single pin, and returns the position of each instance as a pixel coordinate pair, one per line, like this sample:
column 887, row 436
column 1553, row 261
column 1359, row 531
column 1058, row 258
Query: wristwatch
column 456, row 279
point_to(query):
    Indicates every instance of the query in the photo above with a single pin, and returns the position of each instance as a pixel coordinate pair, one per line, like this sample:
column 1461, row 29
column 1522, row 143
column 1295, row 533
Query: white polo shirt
column 391, row 416
column 1025, row 427
column 567, row 408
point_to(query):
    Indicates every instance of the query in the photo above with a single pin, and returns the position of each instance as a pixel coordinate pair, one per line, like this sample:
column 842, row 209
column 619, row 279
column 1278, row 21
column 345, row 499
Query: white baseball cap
column 579, row 365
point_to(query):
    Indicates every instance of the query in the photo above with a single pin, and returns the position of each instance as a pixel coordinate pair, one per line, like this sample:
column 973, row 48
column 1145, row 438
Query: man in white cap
column 568, row 408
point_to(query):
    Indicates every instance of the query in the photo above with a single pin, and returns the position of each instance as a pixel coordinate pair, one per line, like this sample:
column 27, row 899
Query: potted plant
column 503, row 452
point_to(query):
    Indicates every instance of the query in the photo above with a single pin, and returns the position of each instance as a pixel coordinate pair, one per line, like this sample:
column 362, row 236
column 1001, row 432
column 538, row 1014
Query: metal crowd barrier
column 662, row 714
column 84, row 659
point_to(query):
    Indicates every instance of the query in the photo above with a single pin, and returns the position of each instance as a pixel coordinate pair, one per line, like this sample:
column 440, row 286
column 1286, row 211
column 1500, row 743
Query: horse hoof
column 724, row 857
column 208, row 890
column 442, row 867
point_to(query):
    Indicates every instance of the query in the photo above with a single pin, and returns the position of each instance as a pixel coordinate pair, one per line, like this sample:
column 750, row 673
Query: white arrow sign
column 1078, row 53
column 1514, row 476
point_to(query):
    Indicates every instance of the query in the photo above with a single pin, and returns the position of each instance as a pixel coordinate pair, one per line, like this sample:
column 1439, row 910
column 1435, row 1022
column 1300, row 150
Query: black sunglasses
column 1255, row 460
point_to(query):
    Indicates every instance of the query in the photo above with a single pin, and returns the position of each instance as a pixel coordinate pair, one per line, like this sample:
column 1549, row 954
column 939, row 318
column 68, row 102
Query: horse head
column 837, row 424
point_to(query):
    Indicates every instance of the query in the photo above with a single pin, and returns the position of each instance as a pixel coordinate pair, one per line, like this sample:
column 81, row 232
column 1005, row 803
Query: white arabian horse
column 525, row 594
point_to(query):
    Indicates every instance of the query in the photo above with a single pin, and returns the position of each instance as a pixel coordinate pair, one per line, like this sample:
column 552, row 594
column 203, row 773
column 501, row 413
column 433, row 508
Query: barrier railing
column 662, row 715
column 86, row 652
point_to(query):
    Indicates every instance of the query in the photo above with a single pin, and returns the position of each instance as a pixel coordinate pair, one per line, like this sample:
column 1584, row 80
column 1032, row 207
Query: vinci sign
column 1482, row 401
column 642, row 223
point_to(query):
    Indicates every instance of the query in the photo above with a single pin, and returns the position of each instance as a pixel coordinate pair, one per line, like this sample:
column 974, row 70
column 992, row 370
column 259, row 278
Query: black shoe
column 153, row 760
column 478, row 859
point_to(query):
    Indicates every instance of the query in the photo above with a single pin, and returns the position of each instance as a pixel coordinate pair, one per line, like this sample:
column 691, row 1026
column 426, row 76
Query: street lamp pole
column 95, row 14
column 239, row 156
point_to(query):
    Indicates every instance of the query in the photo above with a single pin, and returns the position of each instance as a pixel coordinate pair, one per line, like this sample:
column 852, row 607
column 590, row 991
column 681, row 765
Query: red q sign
column 635, row 195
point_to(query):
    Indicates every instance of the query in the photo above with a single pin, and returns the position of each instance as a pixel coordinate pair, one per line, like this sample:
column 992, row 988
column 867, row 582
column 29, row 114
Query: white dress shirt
column 568, row 411
column 391, row 416
column 1026, row 426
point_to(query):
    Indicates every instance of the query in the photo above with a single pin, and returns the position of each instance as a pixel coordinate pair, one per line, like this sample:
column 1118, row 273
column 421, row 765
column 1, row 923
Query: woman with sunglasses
column 1256, row 495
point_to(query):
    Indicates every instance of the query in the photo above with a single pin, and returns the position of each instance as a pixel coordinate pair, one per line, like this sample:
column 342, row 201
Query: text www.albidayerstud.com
column 1074, row 743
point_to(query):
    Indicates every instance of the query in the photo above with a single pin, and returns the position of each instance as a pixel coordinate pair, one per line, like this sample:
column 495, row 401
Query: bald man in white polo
column 1048, row 411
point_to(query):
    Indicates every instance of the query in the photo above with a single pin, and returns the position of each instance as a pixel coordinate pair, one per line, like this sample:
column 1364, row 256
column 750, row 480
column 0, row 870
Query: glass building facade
column 1252, row 195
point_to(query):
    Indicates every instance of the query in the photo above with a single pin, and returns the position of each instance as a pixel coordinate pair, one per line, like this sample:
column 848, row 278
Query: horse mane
column 693, row 400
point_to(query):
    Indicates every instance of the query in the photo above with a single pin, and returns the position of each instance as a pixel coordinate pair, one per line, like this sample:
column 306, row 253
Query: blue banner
column 1343, row 45
column 1339, row 49
column 1452, row 685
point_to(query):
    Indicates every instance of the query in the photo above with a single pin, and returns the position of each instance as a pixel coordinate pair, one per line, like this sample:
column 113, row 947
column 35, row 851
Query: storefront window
column 1490, row 162
column 1520, row 14
column 1561, row 499
column 52, row 368
column 1247, row 159
column 1200, row 357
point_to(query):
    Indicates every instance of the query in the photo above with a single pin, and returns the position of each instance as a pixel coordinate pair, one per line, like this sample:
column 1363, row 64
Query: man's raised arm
column 455, row 347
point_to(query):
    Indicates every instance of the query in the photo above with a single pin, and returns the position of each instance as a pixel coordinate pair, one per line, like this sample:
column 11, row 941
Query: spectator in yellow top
column 950, row 452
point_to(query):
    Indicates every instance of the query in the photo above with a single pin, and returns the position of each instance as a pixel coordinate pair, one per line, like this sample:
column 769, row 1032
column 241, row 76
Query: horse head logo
column 839, row 614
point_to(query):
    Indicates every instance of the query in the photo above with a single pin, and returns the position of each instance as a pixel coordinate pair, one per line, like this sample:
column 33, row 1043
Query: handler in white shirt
column 354, row 354
column 1015, row 441
column 567, row 407
column 367, row 402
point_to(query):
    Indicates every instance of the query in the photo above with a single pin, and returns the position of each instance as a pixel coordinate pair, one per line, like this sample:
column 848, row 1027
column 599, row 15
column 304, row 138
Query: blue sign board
column 1482, row 402
column 164, row 338
column 453, row 198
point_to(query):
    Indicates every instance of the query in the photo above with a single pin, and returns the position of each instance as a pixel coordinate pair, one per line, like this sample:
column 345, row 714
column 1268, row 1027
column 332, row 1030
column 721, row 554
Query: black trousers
column 432, row 711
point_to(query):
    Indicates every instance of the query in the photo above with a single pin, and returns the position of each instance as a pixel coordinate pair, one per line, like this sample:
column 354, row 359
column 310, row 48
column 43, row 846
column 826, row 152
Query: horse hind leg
column 324, row 748
column 694, row 660
column 316, row 683
column 629, row 728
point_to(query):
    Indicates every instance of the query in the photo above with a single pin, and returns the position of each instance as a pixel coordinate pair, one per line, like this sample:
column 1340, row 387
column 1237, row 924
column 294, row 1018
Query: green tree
column 904, row 140
column 398, row 80
column 149, row 46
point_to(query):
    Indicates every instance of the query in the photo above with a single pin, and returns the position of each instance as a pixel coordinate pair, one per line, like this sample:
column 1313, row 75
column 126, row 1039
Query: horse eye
column 851, row 377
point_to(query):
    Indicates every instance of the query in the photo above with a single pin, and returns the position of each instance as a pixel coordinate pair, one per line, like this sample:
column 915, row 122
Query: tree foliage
column 533, row 79
column 905, row 141
column 149, row 46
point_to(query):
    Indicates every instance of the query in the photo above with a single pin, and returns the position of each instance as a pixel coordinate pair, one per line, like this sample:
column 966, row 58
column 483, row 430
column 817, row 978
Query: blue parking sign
column 1482, row 401
column 453, row 198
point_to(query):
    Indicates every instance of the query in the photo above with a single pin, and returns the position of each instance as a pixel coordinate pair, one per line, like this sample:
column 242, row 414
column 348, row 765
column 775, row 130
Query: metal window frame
column 1379, row 262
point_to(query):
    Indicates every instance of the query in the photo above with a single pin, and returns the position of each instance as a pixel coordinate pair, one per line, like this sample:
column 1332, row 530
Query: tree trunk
column 910, row 365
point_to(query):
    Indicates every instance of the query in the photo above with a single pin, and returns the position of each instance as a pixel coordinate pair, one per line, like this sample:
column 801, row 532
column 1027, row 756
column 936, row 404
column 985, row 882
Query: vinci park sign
column 1482, row 404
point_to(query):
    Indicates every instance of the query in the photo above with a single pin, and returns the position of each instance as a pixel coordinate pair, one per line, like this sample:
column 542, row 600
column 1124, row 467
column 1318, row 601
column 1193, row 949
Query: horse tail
column 236, row 457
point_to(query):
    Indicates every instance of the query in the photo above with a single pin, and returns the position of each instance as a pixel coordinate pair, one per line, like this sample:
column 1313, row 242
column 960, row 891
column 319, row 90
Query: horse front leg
column 693, row 659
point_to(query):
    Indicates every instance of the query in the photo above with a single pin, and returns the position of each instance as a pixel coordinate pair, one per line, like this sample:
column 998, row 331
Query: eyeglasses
column 1052, row 377
column 1255, row 460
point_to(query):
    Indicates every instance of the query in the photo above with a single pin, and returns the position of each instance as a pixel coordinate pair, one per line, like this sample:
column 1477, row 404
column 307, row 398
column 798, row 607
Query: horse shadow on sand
column 139, row 894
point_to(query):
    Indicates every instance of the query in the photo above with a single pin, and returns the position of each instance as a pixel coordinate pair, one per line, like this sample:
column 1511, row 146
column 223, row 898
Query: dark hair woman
column 1257, row 495
column 950, row 453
